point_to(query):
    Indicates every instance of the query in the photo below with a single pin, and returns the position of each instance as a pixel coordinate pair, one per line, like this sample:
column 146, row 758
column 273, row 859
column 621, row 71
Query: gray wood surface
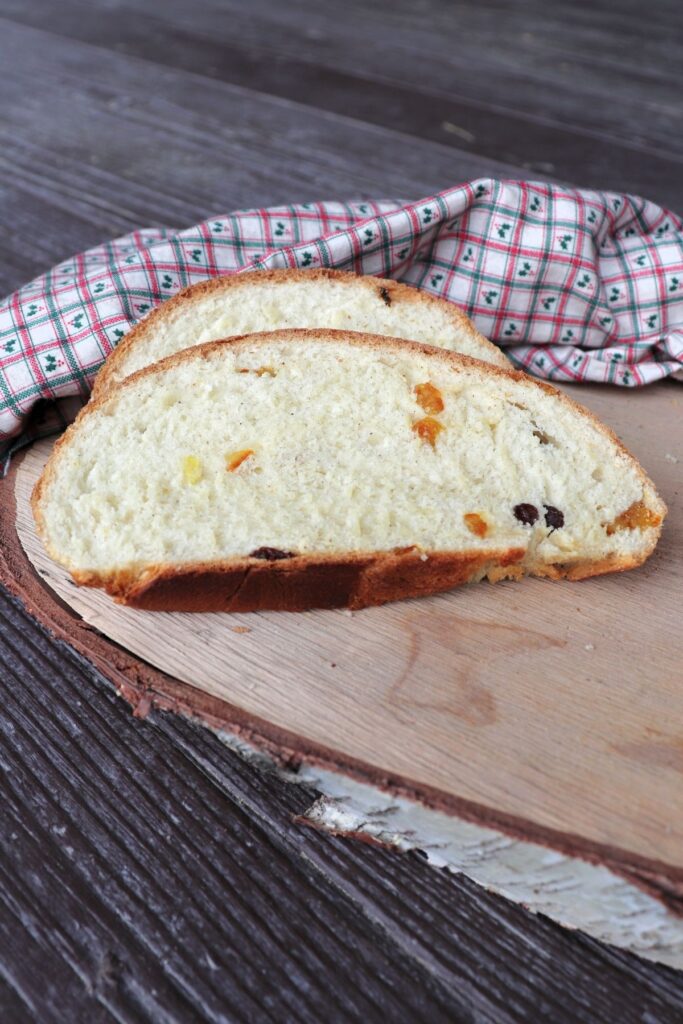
column 147, row 874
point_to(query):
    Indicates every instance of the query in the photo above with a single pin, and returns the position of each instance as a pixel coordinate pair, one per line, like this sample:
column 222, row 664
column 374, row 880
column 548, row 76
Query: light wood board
column 557, row 703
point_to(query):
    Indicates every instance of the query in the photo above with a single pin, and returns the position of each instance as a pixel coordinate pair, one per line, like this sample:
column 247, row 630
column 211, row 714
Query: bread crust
column 395, row 290
column 299, row 584
column 303, row 582
column 308, row 581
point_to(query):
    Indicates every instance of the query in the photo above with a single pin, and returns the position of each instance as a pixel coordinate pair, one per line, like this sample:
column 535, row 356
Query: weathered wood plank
column 146, row 872
column 422, row 46
column 394, row 69
column 164, row 146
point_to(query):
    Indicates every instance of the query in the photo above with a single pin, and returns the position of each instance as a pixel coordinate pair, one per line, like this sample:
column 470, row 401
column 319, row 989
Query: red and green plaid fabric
column 576, row 285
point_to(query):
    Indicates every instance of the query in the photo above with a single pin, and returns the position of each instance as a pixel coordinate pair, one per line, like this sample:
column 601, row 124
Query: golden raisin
column 428, row 429
column 476, row 524
column 192, row 470
column 428, row 397
column 260, row 372
column 235, row 459
column 636, row 517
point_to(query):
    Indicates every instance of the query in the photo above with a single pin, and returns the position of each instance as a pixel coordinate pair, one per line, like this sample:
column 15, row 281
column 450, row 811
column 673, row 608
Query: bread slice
column 272, row 300
column 306, row 468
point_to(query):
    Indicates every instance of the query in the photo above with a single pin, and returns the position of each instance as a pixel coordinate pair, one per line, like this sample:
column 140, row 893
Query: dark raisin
column 385, row 296
column 553, row 517
column 527, row 514
column 271, row 554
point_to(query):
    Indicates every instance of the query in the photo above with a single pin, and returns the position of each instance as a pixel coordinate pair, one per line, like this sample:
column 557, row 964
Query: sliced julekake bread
column 258, row 301
column 307, row 468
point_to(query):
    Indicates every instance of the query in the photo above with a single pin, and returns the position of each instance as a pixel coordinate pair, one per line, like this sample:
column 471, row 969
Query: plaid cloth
column 577, row 285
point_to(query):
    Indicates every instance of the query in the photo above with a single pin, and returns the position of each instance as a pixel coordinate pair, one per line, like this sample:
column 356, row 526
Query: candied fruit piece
column 193, row 470
column 476, row 524
column 428, row 397
column 636, row 517
column 235, row 459
column 261, row 371
column 428, row 430
column 526, row 514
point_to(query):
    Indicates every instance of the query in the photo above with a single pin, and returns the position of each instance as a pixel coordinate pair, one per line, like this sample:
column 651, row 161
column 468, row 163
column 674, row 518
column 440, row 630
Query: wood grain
column 225, row 148
column 570, row 721
column 435, row 81
column 147, row 874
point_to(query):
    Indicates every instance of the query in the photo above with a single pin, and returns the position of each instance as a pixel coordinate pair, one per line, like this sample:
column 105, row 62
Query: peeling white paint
column 569, row 890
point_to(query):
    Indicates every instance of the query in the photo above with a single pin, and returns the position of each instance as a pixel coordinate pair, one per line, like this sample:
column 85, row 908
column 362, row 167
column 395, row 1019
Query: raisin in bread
column 306, row 468
column 271, row 300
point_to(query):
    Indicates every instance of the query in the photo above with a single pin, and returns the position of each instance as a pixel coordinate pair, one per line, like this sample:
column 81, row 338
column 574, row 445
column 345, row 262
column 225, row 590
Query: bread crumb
column 589, row 647
column 240, row 629
column 670, row 458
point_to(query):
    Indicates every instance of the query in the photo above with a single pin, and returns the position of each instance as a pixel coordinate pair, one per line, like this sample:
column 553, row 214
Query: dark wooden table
column 148, row 873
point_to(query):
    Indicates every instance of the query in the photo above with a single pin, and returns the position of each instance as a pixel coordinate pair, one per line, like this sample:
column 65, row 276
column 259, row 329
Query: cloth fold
column 577, row 285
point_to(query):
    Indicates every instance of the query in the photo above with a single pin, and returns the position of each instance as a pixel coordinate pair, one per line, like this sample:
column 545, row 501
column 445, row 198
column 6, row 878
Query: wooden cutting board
column 553, row 708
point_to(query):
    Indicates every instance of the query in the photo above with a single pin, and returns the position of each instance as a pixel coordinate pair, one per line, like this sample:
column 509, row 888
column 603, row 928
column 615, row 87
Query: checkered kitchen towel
column 576, row 285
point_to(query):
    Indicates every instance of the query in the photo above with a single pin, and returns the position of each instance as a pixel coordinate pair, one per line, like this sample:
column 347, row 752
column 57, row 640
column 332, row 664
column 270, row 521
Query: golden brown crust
column 353, row 581
column 300, row 583
column 395, row 290
column 327, row 581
